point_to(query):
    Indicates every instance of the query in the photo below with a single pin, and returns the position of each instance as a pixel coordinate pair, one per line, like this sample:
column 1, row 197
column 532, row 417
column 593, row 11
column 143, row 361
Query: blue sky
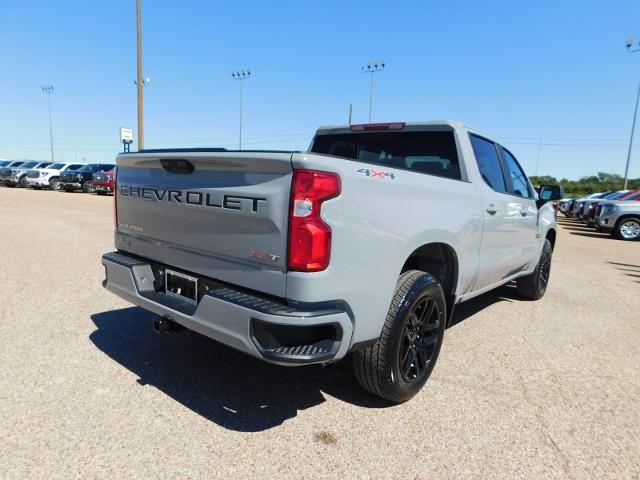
column 515, row 70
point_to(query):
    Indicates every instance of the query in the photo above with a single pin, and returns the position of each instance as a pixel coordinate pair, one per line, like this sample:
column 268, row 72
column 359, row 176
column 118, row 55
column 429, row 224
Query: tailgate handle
column 173, row 165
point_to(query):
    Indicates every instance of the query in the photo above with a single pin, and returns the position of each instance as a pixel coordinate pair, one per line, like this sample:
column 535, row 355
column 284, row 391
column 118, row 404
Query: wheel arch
column 440, row 260
column 551, row 236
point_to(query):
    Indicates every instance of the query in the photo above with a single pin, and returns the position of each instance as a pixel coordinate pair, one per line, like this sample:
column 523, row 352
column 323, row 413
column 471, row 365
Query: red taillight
column 366, row 127
column 309, row 236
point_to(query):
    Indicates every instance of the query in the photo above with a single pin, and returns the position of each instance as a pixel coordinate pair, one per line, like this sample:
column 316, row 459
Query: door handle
column 491, row 209
column 524, row 211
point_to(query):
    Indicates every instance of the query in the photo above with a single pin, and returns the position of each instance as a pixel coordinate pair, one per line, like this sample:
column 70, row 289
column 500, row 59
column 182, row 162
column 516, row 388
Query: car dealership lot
column 521, row 389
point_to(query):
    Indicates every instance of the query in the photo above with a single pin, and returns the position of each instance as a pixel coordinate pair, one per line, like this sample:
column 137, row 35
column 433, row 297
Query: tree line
column 601, row 182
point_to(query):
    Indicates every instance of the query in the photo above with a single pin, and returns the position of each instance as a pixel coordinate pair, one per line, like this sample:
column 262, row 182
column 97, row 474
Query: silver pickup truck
column 363, row 244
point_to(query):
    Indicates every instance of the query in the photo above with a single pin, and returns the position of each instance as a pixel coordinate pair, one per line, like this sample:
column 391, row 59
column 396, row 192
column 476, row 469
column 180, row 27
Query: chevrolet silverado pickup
column 364, row 244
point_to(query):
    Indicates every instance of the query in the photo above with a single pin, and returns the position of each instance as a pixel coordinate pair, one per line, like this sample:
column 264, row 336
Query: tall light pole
column 372, row 68
column 241, row 75
column 629, row 46
column 139, row 81
column 48, row 89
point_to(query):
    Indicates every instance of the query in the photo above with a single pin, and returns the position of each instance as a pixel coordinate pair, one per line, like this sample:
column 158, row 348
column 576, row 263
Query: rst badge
column 265, row 257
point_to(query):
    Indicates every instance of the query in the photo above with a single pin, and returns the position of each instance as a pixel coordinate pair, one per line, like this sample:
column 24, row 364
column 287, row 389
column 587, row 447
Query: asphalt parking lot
column 546, row 389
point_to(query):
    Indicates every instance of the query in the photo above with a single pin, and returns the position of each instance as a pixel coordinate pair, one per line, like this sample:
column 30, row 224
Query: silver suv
column 622, row 219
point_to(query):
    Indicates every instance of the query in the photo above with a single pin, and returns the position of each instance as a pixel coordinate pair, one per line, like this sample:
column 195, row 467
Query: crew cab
column 104, row 182
column 49, row 177
column 82, row 178
column 364, row 243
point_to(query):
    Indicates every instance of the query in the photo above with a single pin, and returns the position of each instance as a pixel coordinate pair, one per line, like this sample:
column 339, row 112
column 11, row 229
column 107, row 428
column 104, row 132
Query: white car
column 50, row 177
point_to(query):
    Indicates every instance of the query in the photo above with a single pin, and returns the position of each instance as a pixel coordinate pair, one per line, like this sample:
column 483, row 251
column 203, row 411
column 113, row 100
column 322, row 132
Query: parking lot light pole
column 139, row 81
column 372, row 68
column 48, row 89
column 241, row 75
column 630, row 49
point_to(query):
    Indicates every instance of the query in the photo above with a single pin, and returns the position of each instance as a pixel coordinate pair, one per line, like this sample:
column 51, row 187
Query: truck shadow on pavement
column 234, row 390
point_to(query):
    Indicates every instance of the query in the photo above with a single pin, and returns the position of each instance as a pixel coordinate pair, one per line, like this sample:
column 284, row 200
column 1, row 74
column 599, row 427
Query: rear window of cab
column 432, row 153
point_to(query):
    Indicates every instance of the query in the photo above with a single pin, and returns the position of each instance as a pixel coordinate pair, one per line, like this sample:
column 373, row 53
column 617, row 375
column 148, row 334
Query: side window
column 489, row 163
column 519, row 183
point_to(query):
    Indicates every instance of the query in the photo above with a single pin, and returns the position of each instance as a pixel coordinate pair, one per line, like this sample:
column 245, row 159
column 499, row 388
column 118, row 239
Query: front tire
column 534, row 285
column 87, row 186
column 23, row 182
column 54, row 184
column 398, row 365
column 628, row 229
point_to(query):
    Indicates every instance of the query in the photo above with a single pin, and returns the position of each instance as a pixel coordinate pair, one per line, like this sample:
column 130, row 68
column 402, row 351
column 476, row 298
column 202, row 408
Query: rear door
column 522, row 196
column 221, row 215
column 500, row 250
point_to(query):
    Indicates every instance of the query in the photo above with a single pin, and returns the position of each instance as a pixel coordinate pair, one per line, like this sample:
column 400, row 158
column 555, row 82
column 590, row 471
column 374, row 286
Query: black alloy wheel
column 544, row 269
column 420, row 340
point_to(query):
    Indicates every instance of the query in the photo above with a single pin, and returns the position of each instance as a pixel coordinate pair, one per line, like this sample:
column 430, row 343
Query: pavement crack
column 543, row 426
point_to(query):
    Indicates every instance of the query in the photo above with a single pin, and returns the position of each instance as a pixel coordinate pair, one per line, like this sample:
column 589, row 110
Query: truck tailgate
column 223, row 215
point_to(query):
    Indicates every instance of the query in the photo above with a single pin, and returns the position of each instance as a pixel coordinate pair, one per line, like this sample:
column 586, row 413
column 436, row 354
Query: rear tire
column 398, row 365
column 534, row 285
column 23, row 182
column 628, row 229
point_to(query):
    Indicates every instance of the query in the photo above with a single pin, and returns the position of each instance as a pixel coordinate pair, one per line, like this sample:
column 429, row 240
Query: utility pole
column 372, row 68
column 139, row 81
column 350, row 112
column 48, row 89
column 241, row 75
column 629, row 44
column 538, row 156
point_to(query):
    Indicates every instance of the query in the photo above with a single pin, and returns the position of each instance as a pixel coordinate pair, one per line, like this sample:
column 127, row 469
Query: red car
column 104, row 182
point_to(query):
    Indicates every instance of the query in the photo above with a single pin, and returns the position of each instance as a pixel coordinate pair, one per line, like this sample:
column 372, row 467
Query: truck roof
column 404, row 126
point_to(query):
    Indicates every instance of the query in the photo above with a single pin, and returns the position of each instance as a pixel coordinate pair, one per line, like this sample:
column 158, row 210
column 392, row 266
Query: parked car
column 82, row 178
column 104, row 182
column 16, row 173
column 633, row 196
column 578, row 206
column 591, row 208
column 621, row 218
column 365, row 243
column 8, row 163
column 564, row 204
column 49, row 177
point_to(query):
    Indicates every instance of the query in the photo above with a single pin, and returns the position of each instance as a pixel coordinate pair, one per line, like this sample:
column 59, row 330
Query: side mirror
column 548, row 193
